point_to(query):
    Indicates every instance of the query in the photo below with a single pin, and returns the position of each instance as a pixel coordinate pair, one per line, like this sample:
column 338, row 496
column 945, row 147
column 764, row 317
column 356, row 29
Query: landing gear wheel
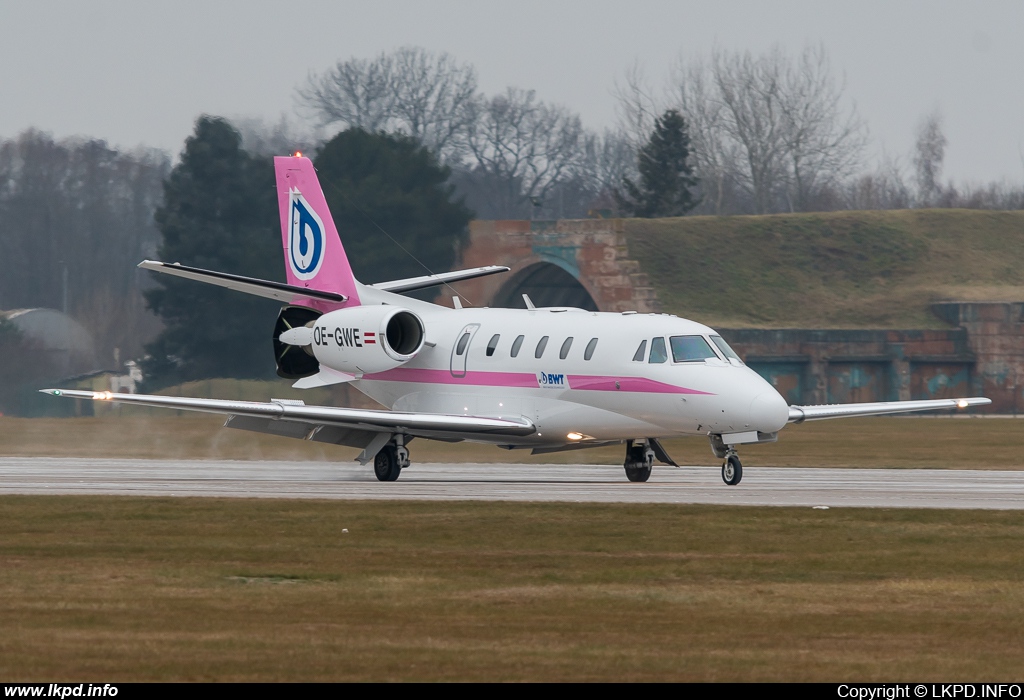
column 732, row 470
column 639, row 462
column 638, row 473
column 385, row 464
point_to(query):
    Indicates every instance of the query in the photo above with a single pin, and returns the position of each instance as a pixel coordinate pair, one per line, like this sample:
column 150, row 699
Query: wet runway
column 886, row 488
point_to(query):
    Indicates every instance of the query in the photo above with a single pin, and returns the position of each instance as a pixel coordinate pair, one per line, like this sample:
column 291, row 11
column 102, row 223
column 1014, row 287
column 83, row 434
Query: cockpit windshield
column 690, row 348
column 724, row 347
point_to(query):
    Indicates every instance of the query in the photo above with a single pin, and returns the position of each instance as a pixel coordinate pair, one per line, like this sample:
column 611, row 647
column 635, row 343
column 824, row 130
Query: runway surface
column 888, row 488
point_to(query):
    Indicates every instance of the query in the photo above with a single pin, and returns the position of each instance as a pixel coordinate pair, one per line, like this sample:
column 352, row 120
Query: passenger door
column 460, row 351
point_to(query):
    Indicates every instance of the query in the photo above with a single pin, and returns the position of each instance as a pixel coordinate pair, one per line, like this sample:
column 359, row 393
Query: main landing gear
column 389, row 462
column 732, row 468
column 639, row 461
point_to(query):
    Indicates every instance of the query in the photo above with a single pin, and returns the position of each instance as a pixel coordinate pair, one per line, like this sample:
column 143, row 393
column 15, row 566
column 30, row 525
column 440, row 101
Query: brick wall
column 593, row 251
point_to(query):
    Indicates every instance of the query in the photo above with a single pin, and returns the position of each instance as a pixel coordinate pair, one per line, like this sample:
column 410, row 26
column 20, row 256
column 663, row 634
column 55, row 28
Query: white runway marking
column 888, row 488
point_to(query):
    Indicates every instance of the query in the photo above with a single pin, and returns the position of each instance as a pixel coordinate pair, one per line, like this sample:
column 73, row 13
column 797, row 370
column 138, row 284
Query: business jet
column 543, row 379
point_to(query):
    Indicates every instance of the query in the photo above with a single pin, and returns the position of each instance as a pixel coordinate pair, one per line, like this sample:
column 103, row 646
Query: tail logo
column 306, row 238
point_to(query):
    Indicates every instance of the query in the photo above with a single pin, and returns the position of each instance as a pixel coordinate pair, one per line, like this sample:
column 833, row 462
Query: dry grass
column 940, row 443
column 106, row 588
column 830, row 270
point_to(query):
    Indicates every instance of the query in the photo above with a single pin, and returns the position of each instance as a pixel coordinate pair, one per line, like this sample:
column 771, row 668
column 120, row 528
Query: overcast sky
column 140, row 72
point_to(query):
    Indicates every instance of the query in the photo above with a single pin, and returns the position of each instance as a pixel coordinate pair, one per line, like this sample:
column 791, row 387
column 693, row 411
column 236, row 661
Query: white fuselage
column 604, row 394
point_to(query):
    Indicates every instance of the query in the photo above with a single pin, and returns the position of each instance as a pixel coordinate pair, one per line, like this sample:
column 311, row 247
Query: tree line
column 76, row 216
column 768, row 133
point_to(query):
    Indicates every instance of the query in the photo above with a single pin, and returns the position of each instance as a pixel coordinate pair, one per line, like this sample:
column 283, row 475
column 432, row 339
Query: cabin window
column 463, row 342
column 564, row 352
column 690, row 348
column 724, row 347
column 540, row 347
column 658, row 352
column 492, row 344
column 591, row 346
column 638, row 356
column 516, row 344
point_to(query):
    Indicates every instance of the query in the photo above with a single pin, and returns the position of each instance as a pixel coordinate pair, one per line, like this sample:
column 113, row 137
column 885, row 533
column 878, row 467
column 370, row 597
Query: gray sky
column 133, row 72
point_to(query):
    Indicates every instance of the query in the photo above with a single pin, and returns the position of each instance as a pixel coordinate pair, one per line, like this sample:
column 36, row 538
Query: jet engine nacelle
column 366, row 339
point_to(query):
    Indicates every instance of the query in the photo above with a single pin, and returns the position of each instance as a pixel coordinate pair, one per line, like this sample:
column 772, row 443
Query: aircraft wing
column 799, row 414
column 279, row 291
column 350, row 426
column 411, row 283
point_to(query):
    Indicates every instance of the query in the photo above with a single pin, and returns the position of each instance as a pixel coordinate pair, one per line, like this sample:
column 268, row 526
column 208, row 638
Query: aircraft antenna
column 391, row 238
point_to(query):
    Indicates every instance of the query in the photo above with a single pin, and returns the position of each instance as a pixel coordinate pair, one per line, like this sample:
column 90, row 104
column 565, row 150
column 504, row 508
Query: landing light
column 962, row 403
column 102, row 395
column 575, row 436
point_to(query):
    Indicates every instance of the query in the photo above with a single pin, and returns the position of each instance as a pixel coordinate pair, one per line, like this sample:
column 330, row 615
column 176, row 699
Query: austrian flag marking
column 370, row 338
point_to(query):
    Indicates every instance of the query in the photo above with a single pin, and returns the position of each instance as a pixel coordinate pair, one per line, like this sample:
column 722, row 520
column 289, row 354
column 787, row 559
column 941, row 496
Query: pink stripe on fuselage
column 443, row 376
column 579, row 382
column 583, row 382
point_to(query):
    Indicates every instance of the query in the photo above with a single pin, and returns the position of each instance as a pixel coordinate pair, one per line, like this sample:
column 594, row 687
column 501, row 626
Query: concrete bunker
column 547, row 285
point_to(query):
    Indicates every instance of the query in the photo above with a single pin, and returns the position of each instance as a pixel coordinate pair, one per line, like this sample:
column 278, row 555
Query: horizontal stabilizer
column 279, row 291
column 799, row 414
column 411, row 283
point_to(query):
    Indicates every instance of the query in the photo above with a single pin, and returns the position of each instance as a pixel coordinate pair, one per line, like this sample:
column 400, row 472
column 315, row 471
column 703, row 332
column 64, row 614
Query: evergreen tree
column 219, row 213
column 666, row 177
column 376, row 182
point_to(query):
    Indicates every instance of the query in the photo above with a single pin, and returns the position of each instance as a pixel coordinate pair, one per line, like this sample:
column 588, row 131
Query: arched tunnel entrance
column 547, row 285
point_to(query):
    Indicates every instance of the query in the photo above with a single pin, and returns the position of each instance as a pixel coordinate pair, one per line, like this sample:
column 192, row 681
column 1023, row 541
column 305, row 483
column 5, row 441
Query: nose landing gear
column 732, row 468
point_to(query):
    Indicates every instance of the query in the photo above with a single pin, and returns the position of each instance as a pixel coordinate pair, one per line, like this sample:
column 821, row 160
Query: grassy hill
column 837, row 269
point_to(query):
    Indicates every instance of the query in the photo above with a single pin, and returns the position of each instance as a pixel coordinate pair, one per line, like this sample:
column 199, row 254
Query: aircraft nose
column 769, row 412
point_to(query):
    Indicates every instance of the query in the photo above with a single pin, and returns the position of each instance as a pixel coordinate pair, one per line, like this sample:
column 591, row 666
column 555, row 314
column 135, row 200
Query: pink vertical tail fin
column 313, row 253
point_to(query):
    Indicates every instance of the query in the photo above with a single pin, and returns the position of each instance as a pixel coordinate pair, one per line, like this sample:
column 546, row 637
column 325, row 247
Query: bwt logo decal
column 547, row 380
column 306, row 237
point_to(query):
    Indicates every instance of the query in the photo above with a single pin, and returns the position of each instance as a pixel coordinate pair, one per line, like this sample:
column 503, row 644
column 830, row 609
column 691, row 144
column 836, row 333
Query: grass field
column 830, row 270
column 940, row 443
column 117, row 589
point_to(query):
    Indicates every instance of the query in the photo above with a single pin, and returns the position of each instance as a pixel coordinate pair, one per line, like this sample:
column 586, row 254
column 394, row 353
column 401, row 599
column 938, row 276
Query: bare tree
column 636, row 106
column 522, row 148
column 823, row 141
column 355, row 93
column 433, row 100
column 716, row 157
column 929, row 152
column 752, row 117
column 411, row 90
column 768, row 132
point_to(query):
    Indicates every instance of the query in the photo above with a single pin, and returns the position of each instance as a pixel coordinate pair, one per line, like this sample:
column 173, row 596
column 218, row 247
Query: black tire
column 638, row 474
column 732, row 470
column 385, row 464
